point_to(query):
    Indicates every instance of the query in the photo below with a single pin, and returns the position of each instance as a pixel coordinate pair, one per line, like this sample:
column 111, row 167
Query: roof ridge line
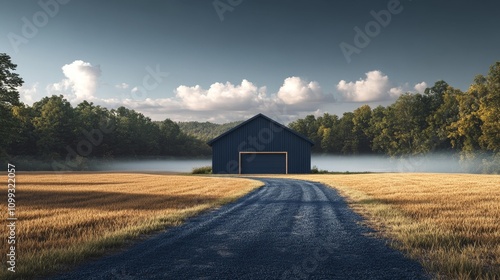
column 253, row 118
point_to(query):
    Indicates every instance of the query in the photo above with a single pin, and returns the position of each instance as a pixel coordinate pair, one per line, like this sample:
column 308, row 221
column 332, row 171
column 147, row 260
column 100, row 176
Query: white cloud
column 420, row 87
column 297, row 91
column 81, row 81
column 374, row 87
column 122, row 86
column 222, row 96
column 223, row 102
column 318, row 113
column 62, row 87
column 220, row 102
column 396, row 91
column 28, row 94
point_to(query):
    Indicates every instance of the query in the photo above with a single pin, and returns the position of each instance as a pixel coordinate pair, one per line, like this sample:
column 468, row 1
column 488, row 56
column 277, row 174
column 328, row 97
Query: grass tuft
column 202, row 170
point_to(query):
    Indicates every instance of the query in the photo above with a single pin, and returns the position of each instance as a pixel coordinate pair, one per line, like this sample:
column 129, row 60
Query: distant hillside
column 205, row 130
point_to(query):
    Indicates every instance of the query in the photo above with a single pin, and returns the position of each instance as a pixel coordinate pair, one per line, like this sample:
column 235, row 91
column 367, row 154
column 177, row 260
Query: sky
column 227, row 60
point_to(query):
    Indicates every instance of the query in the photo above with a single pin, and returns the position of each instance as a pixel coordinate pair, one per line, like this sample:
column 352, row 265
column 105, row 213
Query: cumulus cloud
column 220, row 102
column 81, row 81
column 222, row 96
column 374, row 87
column 223, row 102
column 297, row 91
column 420, row 87
column 28, row 94
column 396, row 91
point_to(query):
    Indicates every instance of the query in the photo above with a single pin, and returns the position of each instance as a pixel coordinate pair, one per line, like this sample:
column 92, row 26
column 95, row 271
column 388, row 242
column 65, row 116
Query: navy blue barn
column 261, row 145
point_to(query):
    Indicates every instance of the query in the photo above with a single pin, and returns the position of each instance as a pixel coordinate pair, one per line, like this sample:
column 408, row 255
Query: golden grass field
column 449, row 222
column 65, row 219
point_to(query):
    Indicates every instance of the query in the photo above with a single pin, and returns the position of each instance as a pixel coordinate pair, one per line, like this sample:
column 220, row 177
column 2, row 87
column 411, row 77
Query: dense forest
column 53, row 130
column 443, row 119
column 205, row 130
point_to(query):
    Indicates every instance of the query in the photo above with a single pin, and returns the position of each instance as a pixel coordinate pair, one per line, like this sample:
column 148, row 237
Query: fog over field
column 335, row 163
column 445, row 163
column 167, row 165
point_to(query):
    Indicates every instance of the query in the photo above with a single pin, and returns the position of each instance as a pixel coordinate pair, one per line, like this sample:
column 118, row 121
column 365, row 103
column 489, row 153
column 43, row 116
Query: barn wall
column 259, row 135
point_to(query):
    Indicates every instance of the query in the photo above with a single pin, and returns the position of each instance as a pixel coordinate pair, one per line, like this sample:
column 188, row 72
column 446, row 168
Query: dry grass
column 65, row 219
column 449, row 222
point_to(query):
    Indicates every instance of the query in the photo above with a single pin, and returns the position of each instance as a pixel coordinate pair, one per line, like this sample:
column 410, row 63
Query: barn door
column 263, row 163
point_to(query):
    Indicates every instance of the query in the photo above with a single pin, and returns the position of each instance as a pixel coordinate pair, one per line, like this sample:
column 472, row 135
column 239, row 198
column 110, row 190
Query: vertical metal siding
column 225, row 151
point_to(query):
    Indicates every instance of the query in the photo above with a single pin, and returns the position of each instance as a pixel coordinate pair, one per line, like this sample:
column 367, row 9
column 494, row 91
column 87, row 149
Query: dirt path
column 288, row 229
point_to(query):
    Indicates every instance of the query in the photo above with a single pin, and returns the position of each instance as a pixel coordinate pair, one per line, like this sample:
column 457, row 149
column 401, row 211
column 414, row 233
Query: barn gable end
column 260, row 145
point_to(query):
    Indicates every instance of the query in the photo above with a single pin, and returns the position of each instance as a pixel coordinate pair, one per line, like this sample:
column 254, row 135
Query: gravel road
column 288, row 229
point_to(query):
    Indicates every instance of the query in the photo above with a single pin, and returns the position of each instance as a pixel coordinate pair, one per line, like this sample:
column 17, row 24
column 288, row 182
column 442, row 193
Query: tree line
column 52, row 129
column 206, row 130
column 442, row 119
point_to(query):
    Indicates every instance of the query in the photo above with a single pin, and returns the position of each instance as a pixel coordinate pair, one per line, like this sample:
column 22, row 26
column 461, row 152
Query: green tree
column 309, row 128
column 378, row 130
column 411, row 113
column 435, row 95
column 170, row 138
column 205, row 130
column 9, row 97
column 328, row 139
column 464, row 133
column 400, row 131
column 440, row 119
column 54, row 126
column 447, row 114
column 9, row 82
column 95, row 123
column 345, row 131
column 135, row 134
column 25, row 142
column 479, row 128
column 361, row 121
column 489, row 111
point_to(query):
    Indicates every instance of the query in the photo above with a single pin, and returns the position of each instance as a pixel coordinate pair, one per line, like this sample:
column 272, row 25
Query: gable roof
column 210, row 143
